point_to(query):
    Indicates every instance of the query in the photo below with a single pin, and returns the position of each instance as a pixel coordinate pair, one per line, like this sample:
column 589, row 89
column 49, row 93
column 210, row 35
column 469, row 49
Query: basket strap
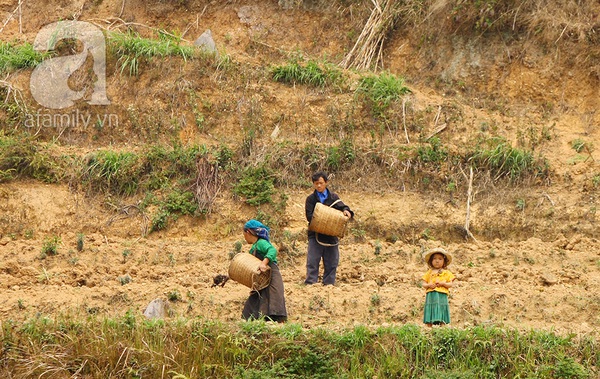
column 323, row 243
column 338, row 200
column 317, row 234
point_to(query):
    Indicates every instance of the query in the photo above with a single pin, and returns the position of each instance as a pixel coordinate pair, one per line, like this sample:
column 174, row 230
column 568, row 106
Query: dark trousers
column 268, row 303
column 330, row 256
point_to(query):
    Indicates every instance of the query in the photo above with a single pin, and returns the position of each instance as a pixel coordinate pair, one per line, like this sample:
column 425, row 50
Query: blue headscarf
column 258, row 229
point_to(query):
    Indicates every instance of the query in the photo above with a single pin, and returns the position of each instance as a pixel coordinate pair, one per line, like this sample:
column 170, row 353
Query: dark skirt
column 268, row 303
column 437, row 310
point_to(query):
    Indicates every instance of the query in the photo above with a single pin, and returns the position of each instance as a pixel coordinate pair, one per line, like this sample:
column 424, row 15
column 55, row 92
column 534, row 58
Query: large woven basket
column 328, row 220
column 244, row 270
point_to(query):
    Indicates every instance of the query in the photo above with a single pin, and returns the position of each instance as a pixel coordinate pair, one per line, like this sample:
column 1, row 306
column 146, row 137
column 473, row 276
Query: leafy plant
column 566, row 367
column 434, row 153
column 340, row 156
column 256, row 185
column 80, row 239
column 578, row 145
column 177, row 203
column 125, row 279
column 126, row 253
column 174, row 295
column 22, row 156
column 50, row 245
column 160, row 220
column 375, row 300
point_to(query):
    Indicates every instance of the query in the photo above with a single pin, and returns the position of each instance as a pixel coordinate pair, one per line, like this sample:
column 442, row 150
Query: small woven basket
column 328, row 220
column 244, row 270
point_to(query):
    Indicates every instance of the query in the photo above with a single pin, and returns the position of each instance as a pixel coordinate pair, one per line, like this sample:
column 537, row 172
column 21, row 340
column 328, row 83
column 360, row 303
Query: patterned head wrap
column 257, row 228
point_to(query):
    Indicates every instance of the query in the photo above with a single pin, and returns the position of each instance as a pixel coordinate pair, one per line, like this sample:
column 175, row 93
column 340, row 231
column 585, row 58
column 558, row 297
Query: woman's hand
column 262, row 267
column 347, row 213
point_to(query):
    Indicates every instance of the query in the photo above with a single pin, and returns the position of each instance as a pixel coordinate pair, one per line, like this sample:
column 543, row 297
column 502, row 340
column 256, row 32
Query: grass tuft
column 133, row 49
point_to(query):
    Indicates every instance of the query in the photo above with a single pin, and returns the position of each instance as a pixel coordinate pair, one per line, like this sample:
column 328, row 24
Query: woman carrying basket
column 268, row 303
column 322, row 246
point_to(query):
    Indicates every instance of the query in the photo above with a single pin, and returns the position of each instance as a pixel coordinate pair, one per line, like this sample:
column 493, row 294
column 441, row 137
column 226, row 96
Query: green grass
column 14, row 57
column 203, row 348
column 112, row 172
column 503, row 160
column 132, row 49
column 312, row 73
column 380, row 91
column 23, row 157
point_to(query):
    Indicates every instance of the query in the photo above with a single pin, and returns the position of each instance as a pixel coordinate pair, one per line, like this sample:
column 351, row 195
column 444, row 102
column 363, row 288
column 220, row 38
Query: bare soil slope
column 536, row 260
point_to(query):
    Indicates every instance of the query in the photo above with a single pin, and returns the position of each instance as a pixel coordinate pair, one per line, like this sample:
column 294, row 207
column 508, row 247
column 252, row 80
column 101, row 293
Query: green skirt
column 437, row 310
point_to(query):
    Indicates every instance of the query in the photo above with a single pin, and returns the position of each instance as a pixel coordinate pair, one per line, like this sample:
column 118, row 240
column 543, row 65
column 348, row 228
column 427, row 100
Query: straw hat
column 429, row 253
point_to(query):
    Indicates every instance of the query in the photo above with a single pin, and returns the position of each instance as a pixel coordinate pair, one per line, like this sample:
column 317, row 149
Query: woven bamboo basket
column 328, row 220
column 244, row 270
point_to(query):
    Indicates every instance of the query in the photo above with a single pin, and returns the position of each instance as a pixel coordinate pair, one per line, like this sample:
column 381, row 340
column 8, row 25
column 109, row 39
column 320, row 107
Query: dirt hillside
column 535, row 259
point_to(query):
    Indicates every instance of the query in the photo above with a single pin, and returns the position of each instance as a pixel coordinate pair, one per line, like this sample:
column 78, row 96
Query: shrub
column 256, row 185
column 177, row 203
column 80, row 239
column 50, row 245
column 434, row 153
column 340, row 156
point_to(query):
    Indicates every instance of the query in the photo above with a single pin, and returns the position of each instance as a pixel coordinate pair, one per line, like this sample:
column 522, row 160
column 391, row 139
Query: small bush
column 578, row 145
column 125, row 279
column 21, row 156
column 174, row 296
column 256, row 185
column 434, row 153
column 50, row 245
column 340, row 156
column 160, row 220
column 568, row 368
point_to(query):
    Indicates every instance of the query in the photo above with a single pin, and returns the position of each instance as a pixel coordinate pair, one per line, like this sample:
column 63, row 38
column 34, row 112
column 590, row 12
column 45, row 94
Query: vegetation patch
column 312, row 73
column 205, row 348
column 380, row 91
column 14, row 57
column 132, row 49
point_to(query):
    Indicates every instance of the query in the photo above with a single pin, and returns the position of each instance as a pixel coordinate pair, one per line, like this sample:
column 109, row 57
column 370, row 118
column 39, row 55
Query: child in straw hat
column 437, row 282
column 268, row 303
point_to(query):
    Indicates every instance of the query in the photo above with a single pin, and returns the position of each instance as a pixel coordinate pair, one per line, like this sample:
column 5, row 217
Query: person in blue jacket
column 321, row 246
